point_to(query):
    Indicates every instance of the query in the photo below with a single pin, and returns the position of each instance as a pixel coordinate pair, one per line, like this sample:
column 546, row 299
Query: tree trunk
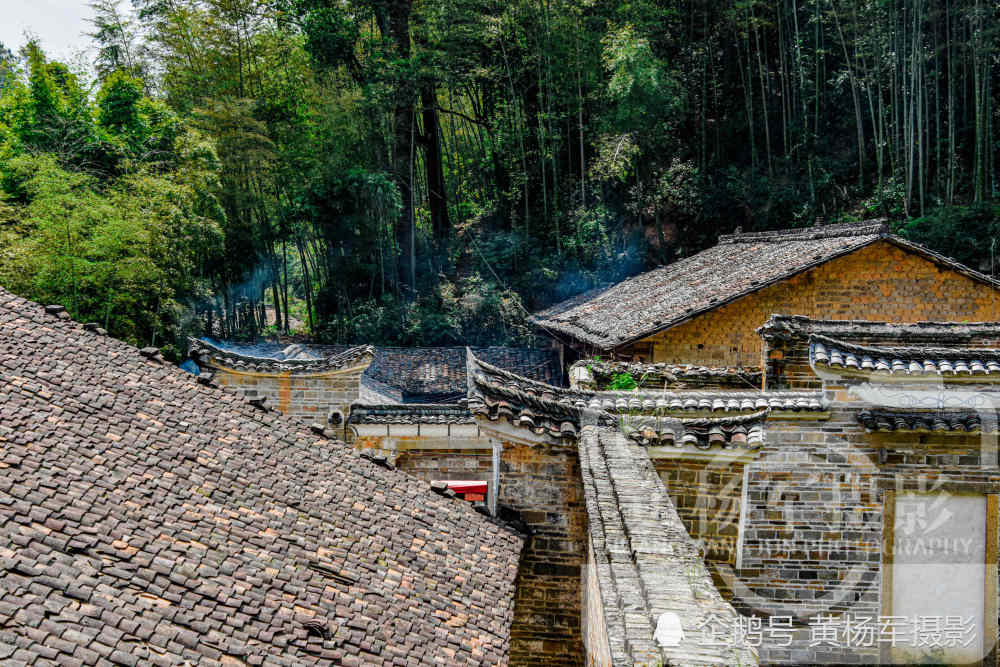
column 393, row 19
column 437, row 195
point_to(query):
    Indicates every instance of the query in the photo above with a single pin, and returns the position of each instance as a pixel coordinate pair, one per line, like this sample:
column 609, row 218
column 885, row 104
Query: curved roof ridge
column 937, row 420
column 238, row 361
column 732, row 420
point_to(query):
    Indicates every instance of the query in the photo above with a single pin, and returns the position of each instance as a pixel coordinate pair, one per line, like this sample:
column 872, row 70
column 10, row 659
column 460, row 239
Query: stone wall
column 814, row 521
column 879, row 282
column 544, row 485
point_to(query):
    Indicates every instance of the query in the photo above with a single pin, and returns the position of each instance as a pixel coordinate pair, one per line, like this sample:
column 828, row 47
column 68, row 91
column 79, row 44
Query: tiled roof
column 410, row 413
column 646, row 564
column 648, row 375
column 146, row 518
column 202, row 351
column 498, row 394
column 905, row 361
column 738, row 265
column 403, row 374
column 799, row 327
column 736, row 432
column 704, row 401
column 937, row 421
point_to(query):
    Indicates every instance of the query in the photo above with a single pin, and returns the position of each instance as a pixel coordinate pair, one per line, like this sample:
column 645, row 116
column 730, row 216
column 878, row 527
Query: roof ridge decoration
column 904, row 361
column 558, row 412
column 705, row 401
column 208, row 353
column 410, row 413
column 878, row 226
column 637, row 307
column 732, row 432
column 544, row 409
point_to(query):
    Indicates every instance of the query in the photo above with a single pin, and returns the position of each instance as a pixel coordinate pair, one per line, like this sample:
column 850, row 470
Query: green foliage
column 970, row 234
column 622, row 382
column 428, row 173
column 124, row 257
column 118, row 104
column 108, row 208
column 115, row 34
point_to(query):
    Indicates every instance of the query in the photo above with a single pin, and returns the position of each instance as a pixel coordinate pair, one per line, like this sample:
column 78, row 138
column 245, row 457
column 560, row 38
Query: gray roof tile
column 911, row 361
column 739, row 265
column 938, row 421
column 395, row 374
column 497, row 394
column 153, row 519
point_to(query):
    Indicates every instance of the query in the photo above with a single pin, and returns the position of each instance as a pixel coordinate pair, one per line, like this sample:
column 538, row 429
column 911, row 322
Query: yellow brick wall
column 311, row 398
column 880, row 282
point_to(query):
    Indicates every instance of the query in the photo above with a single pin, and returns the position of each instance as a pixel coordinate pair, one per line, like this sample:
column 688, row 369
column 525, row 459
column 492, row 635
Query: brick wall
column 814, row 519
column 544, row 484
column 434, row 464
column 879, row 282
column 309, row 397
column 706, row 495
column 812, row 539
column 595, row 631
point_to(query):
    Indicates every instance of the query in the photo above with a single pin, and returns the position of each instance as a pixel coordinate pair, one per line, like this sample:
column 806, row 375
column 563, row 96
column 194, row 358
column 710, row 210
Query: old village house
column 810, row 451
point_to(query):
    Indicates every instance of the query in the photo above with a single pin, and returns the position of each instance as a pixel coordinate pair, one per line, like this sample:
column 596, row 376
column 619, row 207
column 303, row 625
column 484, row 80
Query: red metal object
column 466, row 486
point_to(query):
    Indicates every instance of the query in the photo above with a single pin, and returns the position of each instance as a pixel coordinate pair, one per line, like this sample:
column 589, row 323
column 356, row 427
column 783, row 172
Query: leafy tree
column 116, row 36
column 427, row 172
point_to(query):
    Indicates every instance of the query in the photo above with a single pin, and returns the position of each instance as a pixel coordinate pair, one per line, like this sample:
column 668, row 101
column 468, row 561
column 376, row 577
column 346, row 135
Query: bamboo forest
column 429, row 172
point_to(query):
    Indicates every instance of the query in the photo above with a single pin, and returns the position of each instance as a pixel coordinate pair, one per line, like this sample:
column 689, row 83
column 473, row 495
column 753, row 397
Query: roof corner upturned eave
column 208, row 354
column 547, row 411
